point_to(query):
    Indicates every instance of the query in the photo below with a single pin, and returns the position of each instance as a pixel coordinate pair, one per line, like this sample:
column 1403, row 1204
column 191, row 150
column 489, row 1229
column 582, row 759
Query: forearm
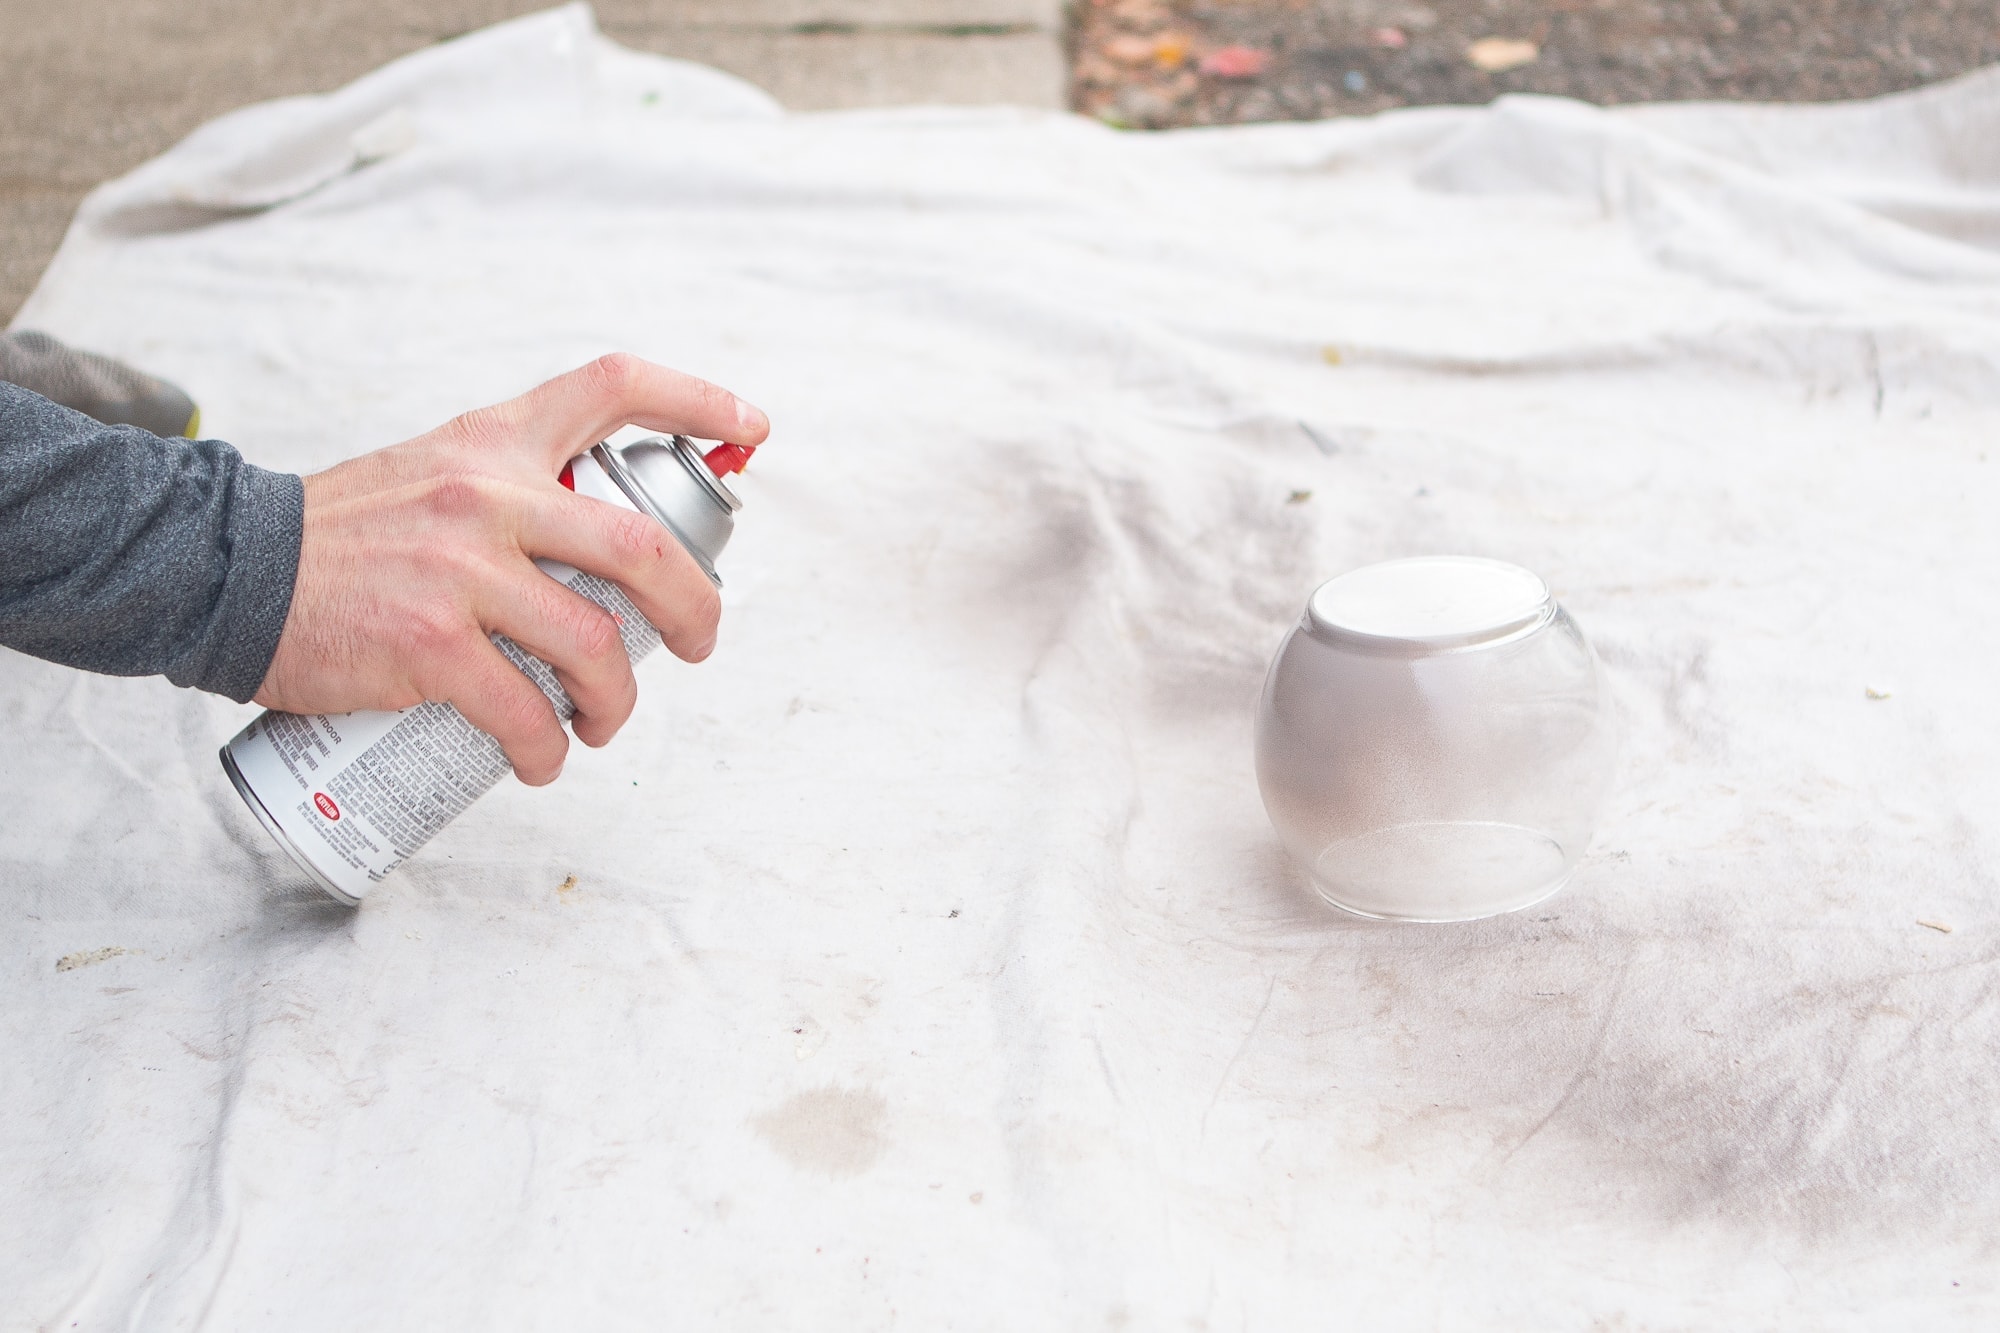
column 131, row 554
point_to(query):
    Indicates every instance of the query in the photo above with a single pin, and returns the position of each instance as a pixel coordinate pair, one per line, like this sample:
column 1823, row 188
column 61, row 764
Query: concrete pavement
column 91, row 88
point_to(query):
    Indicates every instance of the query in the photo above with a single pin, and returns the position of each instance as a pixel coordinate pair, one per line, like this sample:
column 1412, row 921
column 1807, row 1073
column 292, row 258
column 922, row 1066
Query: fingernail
column 701, row 654
column 750, row 419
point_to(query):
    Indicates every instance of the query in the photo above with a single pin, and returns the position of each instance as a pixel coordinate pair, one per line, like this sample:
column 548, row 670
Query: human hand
column 413, row 555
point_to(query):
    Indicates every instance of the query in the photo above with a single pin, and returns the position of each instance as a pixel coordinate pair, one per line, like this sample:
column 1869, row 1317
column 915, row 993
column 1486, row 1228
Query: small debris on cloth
column 1298, row 497
column 70, row 962
column 1497, row 55
column 808, row 1036
column 1942, row 927
column 1875, row 692
column 568, row 885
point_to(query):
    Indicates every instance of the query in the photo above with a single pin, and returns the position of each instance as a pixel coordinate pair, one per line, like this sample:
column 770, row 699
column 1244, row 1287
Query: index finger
column 636, row 553
column 572, row 412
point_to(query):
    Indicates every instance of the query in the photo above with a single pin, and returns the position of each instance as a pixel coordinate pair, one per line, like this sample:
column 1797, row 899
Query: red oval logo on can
column 326, row 805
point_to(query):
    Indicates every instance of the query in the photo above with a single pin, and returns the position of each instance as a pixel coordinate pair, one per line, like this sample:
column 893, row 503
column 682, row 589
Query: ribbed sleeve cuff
column 265, row 524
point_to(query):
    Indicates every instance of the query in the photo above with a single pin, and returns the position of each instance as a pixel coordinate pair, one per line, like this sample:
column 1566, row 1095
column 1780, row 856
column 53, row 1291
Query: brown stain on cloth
column 832, row 1131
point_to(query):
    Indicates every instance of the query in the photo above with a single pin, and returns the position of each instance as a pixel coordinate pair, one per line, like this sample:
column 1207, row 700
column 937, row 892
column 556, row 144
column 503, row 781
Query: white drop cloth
column 930, row 962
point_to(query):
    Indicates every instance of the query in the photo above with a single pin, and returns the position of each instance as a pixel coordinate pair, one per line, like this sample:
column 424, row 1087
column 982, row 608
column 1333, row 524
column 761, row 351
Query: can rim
column 621, row 476
column 279, row 836
column 692, row 459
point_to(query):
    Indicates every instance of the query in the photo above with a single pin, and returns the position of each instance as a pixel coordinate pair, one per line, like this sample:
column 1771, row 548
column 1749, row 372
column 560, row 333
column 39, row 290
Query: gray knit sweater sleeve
column 130, row 554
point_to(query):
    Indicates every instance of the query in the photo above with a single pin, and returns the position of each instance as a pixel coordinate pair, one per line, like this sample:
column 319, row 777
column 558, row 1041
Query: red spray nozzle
column 726, row 459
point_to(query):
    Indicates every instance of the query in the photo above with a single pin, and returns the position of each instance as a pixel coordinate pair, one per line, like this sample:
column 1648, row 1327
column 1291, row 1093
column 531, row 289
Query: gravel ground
column 1160, row 63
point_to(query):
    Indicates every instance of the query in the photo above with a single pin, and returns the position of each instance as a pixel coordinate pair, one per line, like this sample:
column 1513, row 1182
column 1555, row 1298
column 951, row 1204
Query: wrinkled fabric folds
column 925, row 958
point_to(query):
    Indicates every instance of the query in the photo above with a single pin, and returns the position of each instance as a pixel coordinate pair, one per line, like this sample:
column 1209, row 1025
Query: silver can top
column 666, row 479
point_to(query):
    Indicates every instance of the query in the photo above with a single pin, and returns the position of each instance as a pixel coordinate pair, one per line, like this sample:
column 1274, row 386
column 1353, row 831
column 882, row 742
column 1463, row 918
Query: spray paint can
column 351, row 796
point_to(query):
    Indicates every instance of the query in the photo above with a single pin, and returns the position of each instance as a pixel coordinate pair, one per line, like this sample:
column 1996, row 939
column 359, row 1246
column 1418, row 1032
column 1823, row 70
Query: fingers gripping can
column 351, row 796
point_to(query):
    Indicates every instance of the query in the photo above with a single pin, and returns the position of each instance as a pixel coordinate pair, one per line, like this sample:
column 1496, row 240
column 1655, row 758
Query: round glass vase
column 1434, row 739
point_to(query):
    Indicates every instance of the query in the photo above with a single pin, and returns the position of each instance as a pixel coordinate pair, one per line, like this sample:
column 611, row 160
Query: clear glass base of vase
column 1441, row 871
